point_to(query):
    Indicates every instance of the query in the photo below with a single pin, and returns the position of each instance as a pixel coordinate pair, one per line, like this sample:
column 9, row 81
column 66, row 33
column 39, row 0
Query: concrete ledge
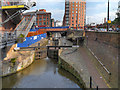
column 104, row 46
column 63, row 64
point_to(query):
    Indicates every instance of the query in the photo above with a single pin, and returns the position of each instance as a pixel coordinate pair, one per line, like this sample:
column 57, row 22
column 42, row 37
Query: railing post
column 90, row 82
column 97, row 87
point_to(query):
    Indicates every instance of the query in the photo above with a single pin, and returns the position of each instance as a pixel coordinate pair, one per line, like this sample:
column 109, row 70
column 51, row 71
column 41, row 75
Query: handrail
column 19, row 23
column 29, row 25
column 25, row 26
column 22, row 28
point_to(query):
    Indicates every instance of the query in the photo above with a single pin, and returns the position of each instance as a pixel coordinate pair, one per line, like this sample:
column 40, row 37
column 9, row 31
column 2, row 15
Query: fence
column 31, row 40
column 7, row 39
column 24, row 26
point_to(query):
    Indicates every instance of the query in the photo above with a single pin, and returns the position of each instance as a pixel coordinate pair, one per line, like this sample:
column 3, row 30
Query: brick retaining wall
column 105, row 46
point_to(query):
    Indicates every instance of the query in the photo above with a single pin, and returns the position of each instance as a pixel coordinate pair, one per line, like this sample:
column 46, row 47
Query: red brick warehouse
column 43, row 18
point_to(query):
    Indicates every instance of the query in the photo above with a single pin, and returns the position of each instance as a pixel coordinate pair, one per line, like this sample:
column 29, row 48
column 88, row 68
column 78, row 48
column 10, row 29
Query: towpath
column 82, row 60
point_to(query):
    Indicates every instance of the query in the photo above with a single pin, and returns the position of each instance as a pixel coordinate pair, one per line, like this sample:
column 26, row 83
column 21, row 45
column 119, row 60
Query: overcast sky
column 96, row 10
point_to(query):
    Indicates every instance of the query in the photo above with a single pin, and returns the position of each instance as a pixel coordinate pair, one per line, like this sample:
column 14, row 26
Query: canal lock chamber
column 64, row 68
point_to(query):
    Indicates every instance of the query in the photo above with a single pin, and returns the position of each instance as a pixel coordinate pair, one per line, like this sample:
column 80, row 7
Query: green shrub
column 21, row 36
column 13, row 60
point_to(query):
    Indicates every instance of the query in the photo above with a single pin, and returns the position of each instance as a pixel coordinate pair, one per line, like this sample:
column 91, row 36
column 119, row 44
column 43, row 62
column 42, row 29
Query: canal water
column 41, row 74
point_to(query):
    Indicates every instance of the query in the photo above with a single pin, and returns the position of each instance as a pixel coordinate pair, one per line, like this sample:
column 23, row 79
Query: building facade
column 52, row 23
column 43, row 18
column 75, row 14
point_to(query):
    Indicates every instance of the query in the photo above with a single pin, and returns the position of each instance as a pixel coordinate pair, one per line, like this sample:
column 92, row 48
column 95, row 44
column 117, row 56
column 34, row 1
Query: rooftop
column 41, row 11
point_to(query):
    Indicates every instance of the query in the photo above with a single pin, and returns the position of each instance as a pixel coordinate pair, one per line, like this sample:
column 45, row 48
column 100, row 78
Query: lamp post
column 108, row 17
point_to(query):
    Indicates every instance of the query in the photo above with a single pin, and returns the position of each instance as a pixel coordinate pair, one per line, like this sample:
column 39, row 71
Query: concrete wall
column 105, row 46
column 9, row 67
column 66, row 66
column 14, row 61
column 52, row 53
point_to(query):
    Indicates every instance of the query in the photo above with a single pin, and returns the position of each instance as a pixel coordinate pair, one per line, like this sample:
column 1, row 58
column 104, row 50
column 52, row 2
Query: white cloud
column 102, row 0
column 57, row 14
column 99, row 12
column 99, row 18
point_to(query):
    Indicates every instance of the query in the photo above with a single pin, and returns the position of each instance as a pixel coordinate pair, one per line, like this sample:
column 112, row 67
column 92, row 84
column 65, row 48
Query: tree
column 117, row 20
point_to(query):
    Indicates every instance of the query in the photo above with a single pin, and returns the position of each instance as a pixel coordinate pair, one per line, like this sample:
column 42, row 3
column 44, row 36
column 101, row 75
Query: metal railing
column 7, row 39
column 22, row 28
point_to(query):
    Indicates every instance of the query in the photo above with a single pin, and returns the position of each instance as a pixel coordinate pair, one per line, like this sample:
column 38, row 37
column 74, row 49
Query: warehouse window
column 40, row 19
column 44, row 19
column 44, row 23
column 40, row 23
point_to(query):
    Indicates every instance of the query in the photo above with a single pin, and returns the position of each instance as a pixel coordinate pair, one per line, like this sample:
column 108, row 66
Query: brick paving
column 82, row 60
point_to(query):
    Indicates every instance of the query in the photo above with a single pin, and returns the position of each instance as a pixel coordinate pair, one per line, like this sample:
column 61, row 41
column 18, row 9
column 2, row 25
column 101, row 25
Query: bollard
column 97, row 87
column 90, row 82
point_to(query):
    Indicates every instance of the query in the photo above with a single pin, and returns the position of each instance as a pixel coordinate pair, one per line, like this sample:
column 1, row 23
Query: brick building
column 43, row 18
column 52, row 23
column 75, row 13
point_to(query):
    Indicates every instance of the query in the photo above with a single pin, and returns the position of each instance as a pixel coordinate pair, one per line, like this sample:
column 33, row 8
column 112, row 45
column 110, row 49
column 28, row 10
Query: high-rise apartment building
column 75, row 14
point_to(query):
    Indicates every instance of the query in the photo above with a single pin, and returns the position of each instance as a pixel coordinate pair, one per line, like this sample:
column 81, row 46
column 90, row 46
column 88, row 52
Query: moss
column 21, row 36
column 13, row 60
column 22, row 66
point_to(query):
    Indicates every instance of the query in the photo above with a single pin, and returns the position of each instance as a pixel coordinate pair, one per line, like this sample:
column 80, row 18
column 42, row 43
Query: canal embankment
column 78, row 61
column 16, row 61
column 105, row 47
column 43, row 73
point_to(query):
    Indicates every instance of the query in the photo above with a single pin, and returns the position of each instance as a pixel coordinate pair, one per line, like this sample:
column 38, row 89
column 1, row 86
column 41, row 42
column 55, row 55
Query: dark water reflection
column 41, row 74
